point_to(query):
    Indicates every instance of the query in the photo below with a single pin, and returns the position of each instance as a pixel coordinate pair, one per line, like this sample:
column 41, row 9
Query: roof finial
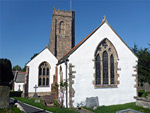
column 104, row 19
column 46, row 46
column 54, row 8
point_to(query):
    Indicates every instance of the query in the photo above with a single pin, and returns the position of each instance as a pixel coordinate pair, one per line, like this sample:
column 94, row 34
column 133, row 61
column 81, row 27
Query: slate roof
column 19, row 77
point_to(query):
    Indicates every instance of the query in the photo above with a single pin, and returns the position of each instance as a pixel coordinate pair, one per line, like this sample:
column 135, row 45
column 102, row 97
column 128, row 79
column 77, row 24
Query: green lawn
column 10, row 110
column 40, row 105
column 114, row 108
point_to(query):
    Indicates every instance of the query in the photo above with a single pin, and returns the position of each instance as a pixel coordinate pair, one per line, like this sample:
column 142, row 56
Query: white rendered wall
column 16, row 86
column 47, row 56
column 84, row 67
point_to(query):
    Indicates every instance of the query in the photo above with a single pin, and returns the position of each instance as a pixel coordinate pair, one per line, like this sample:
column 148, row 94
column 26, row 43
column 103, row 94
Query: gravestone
column 92, row 102
column 35, row 94
column 48, row 101
column 147, row 87
column 4, row 96
column 128, row 111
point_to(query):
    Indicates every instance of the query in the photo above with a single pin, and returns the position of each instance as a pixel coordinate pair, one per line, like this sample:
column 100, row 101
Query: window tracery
column 106, row 65
column 44, row 74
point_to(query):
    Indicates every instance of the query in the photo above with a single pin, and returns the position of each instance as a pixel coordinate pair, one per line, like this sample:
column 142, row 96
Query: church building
column 101, row 65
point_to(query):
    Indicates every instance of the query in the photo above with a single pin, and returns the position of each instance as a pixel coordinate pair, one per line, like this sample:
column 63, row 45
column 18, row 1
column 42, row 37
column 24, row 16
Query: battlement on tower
column 58, row 12
column 62, row 37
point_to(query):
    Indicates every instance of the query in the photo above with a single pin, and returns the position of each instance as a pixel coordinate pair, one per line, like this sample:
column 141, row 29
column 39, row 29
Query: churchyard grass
column 10, row 110
column 114, row 108
column 40, row 105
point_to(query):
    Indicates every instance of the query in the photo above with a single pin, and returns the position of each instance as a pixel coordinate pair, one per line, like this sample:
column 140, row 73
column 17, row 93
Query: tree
column 6, row 74
column 34, row 56
column 143, row 63
column 17, row 68
column 23, row 69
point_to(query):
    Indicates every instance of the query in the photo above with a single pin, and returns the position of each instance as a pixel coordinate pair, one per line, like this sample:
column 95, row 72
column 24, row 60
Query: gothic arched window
column 98, row 68
column 62, row 28
column 106, row 65
column 112, row 69
column 44, row 74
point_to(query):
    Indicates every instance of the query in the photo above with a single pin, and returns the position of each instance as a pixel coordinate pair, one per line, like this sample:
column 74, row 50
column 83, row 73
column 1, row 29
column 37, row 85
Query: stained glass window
column 47, row 81
column 98, row 70
column 47, row 71
column 105, row 67
column 44, row 69
column 39, row 81
column 112, row 68
column 43, row 81
column 40, row 71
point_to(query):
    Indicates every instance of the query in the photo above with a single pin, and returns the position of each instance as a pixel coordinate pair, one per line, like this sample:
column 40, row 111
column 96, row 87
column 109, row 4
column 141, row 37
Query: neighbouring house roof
column 65, row 57
column 19, row 77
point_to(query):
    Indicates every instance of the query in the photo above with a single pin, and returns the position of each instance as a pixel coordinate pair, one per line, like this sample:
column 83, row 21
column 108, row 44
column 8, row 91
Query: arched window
column 44, row 74
column 47, row 81
column 98, row 68
column 105, row 68
column 112, row 69
column 43, row 71
column 43, row 81
column 39, row 81
column 106, row 65
column 40, row 71
column 47, row 71
column 62, row 28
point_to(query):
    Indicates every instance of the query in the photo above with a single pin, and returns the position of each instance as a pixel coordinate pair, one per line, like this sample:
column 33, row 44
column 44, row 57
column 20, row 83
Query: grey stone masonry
column 62, row 37
column 71, row 82
column 143, row 101
column 128, row 111
column 4, row 96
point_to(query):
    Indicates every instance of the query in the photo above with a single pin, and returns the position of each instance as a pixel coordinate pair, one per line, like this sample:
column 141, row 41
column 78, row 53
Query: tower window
column 62, row 28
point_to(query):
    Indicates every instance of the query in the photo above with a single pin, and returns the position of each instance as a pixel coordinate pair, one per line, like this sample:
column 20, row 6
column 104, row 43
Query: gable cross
column 104, row 19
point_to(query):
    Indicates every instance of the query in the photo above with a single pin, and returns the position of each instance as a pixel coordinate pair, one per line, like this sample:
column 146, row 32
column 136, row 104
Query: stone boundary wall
column 143, row 102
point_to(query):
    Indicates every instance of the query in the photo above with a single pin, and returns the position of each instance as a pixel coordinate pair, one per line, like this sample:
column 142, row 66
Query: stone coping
column 146, row 99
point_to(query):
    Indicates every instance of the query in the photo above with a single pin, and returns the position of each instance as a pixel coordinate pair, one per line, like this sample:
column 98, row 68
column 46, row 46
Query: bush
column 56, row 103
column 15, row 93
column 145, row 94
column 6, row 75
column 140, row 93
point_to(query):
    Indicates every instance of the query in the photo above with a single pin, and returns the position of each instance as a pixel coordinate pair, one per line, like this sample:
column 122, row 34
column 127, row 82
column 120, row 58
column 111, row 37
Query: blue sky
column 25, row 24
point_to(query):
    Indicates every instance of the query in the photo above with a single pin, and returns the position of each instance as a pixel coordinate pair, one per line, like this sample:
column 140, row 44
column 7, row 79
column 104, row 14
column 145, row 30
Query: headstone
column 48, row 101
column 92, row 102
column 128, row 111
column 147, row 87
column 4, row 96
column 35, row 94
column 37, row 101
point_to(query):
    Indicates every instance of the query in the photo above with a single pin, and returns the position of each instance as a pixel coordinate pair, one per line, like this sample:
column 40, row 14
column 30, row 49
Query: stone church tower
column 62, row 37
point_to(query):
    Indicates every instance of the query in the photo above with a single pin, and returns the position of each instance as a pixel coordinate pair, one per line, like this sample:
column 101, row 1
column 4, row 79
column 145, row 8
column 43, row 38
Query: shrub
column 140, row 93
column 15, row 93
column 56, row 103
column 145, row 94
